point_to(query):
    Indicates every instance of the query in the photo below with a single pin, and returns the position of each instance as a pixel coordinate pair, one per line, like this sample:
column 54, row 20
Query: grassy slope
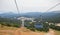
column 57, row 32
column 7, row 28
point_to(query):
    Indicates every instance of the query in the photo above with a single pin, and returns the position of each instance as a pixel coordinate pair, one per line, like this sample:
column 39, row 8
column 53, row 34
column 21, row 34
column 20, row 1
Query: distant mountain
column 32, row 14
column 53, row 16
column 8, row 15
column 39, row 14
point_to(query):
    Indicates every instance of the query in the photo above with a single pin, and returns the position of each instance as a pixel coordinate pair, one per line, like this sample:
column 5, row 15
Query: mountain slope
column 48, row 16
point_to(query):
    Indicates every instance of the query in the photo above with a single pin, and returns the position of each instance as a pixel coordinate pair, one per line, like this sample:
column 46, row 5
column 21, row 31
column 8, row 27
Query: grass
column 14, row 28
column 7, row 28
column 57, row 32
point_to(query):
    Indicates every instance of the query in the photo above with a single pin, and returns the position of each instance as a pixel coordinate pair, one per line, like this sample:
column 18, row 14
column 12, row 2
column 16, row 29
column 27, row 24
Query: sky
column 28, row 5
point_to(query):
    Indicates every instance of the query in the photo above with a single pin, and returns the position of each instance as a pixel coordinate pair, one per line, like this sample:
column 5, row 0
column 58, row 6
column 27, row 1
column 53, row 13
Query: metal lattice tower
column 22, row 25
column 22, row 19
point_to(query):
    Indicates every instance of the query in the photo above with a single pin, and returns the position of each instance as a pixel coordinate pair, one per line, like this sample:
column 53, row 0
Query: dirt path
column 27, row 32
column 51, row 32
column 23, row 31
column 6, row 32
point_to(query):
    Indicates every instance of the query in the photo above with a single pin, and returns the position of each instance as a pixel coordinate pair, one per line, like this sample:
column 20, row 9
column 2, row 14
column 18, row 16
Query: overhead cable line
column 53, row 7
column 17, row 7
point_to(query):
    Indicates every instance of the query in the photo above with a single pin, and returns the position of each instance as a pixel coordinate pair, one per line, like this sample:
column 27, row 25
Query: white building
column 23, row 19
column 57, row 24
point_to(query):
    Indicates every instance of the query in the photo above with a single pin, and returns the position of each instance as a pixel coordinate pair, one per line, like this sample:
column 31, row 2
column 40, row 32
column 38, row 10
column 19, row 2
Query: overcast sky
column 28, row 5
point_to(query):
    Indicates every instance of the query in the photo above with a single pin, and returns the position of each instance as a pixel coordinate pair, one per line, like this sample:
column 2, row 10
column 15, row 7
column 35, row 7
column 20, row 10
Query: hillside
column 53, row 16
column 23, row 31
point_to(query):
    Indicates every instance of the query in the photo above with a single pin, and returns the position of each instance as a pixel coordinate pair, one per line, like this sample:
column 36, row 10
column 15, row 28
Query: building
column 57, row 24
